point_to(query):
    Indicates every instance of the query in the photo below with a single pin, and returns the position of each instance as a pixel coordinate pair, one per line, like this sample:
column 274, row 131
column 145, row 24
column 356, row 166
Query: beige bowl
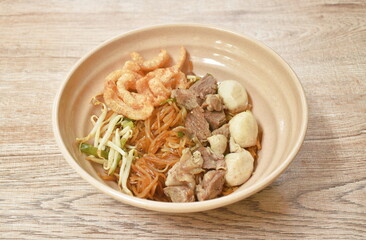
column 278, row 99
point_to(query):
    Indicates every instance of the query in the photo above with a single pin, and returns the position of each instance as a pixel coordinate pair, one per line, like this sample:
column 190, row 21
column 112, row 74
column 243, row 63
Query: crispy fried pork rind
column 142, row 84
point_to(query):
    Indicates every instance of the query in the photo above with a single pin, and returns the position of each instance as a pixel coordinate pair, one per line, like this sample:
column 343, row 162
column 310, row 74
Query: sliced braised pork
column 182, row 174
column 207, row 85
column 211, row 185
column 213, row 102
column 218, row 143
column 211, row 160
column 186, row 98
column 180, row 193
column 197, row 124
column 215, row 119
column 223, row 130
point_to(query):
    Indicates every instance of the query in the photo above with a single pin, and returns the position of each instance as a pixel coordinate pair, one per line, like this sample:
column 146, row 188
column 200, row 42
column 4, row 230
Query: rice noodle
column 160, row 146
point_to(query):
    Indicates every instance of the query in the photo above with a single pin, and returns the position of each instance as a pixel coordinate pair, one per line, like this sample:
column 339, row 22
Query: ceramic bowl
column 278, row 100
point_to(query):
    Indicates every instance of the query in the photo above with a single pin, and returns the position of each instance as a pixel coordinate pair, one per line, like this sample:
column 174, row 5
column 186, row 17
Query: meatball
column 233, row 95
column 244, row 129
column 239, row 167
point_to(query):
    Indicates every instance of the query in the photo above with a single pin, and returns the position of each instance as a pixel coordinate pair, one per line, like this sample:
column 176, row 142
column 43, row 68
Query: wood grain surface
column 321, row 196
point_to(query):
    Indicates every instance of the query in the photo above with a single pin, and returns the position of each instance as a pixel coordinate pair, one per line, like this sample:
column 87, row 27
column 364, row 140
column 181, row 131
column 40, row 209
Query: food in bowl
column 168, row 135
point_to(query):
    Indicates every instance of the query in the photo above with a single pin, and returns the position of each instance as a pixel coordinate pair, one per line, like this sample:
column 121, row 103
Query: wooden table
column 321, row 196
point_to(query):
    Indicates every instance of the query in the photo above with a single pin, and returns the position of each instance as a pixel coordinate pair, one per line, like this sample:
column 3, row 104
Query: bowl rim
column 192, row 206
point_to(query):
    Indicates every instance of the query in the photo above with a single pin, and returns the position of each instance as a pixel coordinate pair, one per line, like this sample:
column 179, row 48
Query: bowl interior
column 277, row 97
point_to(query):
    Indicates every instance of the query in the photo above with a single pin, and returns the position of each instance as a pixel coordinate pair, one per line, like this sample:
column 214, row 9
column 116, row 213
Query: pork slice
column 211, row 185
column 179, row 177
column 221, row 164
column 218, row 143
column 223, row 130
column 182, row 172
column 186, row 98
column 180, row 180
column 197, row 124
column 207, row 85
column 215, row 119
column 210, row 159
column 191, row 163
column 180, row 193
column 213, row 102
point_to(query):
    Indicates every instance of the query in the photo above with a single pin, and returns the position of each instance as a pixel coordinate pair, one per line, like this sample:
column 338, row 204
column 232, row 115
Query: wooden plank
column 321, row 196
